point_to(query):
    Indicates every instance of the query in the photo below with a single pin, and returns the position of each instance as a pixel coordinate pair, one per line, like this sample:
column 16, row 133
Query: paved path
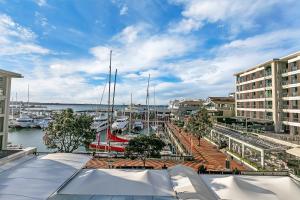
column 206, row 154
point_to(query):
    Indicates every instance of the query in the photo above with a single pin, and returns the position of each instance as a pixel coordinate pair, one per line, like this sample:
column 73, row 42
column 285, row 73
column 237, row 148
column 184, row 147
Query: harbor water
column 31, row 137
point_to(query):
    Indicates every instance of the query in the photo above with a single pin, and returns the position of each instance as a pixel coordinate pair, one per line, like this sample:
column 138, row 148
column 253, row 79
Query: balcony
column 293, row 81
column 268, row 73
column 285, row 94
column 285, row 82
column 294, row 94
column 284, row 106
column 295, row 120
column 294, row 68
column 284, row 71
column 269, row 117
column 268, row 106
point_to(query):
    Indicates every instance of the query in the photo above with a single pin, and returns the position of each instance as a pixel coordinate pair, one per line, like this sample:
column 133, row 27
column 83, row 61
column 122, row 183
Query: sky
column 190, row 48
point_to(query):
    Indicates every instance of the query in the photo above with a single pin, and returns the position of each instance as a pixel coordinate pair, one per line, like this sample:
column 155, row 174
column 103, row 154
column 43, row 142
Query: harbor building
column 220, row 106
column 5, row 87
column 270, row 93
column 180, row 109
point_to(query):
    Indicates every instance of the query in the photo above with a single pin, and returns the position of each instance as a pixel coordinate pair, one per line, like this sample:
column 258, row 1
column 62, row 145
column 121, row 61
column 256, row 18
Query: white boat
column 120, row 124
column 138, row 125
column 100, row 123
column 44, row 123
column 24, row 121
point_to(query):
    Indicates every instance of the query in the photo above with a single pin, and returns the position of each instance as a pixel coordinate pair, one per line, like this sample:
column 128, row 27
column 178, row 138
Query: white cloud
column 239, row 15
column 41, row 2
column 16, row 39
column 124, row 10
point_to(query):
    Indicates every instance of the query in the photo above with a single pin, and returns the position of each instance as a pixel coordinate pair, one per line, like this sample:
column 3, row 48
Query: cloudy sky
column 191, row 48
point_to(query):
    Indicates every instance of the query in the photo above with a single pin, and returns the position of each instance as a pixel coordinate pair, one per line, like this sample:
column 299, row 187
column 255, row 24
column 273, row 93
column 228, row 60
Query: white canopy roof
column 39, row 177
column 253, row 187
column 120, row 182
column 294, row 151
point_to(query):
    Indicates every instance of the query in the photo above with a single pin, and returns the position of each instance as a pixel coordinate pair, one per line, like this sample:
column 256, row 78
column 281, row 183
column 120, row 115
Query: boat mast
column 113, row 100
column 155, row 112
column 148, row 109
column 28, row 99
column 130, row 114
column 108, row 101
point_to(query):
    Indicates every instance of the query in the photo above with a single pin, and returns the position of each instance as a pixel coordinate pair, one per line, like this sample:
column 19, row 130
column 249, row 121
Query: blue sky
column 191, row 48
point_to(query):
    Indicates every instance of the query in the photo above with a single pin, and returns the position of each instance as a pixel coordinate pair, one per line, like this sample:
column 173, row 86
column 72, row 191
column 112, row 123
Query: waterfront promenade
column 206, row 154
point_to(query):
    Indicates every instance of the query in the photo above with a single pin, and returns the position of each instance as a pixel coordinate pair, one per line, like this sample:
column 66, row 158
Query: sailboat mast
column 155, row 111
column 108, row 102
column 148, row 108
column 113, row 100
column 130, row 114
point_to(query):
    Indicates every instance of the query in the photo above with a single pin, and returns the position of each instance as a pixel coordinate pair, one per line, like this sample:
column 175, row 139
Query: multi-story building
column 270, row 92
column 5, row 86
column 220, row 106
column 181, row 109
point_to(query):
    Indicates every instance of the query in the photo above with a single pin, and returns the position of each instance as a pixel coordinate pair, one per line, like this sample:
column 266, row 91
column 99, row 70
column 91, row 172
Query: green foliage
column 236, row 171
column 202, row 169
column 69, row 131
column 199, row 122
column 144, row 147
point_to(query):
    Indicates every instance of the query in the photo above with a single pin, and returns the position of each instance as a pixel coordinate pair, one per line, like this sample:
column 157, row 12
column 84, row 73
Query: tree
column 144, row 147
column 68, row 131
column 199, row 123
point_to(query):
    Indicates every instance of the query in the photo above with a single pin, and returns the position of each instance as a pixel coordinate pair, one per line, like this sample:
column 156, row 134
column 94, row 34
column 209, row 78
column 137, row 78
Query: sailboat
column 112, row 143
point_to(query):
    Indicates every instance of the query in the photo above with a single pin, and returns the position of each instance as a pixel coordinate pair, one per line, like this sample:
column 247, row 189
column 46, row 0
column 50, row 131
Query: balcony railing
column 294, row 94
column 294, row 68
column 295, row 120
column 268, row 106
column 269, row 117
column 284, row 71
column 285, row 82
column 285, row 94
column 293, row 81
column 268, row 73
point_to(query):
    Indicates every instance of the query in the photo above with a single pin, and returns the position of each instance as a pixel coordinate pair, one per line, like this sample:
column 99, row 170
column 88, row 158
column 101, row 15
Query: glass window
column 2, row 106
column 2, row 86
column 1, row 124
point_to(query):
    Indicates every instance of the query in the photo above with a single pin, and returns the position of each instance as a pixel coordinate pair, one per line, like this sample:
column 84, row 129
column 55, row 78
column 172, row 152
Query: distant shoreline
column 76, row 104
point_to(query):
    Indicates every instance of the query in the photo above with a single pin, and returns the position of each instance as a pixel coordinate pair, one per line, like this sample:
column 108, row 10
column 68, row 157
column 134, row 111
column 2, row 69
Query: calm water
column 33, row 138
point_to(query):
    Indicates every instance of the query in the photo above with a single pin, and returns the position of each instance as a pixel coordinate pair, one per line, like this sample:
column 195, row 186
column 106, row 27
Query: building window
column 269, row 83
column 294, row 66
column 2, row 86
column 269, row 104
column 2, row 106
column 285, row 80
column 294, row 79
column 295, row 104
column 294, row 91
column 268, row 71
column 269, row 115
column 268, row 93
column 295, row 117
column 1, row 124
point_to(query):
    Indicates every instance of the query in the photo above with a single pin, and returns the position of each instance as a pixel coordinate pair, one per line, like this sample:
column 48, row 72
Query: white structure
column 60, row 176
column 5, row 86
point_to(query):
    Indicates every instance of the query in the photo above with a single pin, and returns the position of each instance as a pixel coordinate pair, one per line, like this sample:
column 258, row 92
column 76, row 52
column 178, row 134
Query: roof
column 284, row 58
column 222, row 99
column 131, row 183
column 294, row 151
column 11, row 74
column 237, row 187
column 191, row 102
column 40, row 176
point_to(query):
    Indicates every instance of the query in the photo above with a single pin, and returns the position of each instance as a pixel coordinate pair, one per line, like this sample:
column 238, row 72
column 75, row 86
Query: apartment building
column 270, row 92
column 5, row 86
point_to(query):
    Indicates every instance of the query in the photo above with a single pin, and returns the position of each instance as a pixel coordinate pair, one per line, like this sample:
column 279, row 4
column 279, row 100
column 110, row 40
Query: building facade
column 220, row 106
column 5, row 87
column 270, row 92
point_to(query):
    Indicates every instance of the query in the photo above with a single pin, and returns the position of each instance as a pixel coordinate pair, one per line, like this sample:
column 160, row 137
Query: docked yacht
column 24, row 121
column 100, row 123
column 138, row 125
column 120, row 124
column 44, row 123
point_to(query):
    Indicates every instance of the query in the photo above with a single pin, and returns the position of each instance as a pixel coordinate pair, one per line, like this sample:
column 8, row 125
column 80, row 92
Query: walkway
column 206, row 154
